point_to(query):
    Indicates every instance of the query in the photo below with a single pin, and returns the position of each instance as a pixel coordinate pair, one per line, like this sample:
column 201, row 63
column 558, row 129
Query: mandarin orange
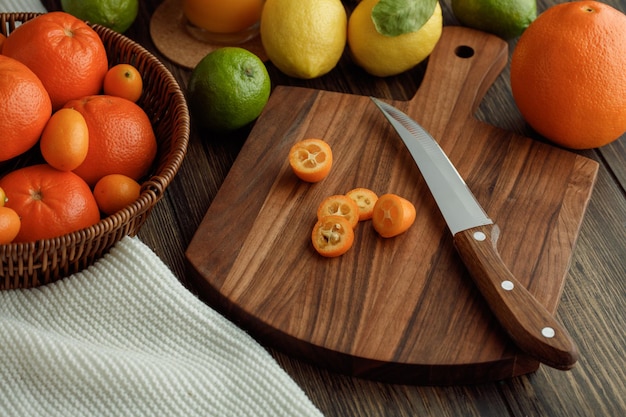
column 24, row 108
column 121, row 138
column 65, row 53
column 568, row 74
column 49, row 202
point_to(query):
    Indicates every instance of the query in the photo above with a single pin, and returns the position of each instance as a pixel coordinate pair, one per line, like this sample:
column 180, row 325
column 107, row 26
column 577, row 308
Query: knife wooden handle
column 533, row 329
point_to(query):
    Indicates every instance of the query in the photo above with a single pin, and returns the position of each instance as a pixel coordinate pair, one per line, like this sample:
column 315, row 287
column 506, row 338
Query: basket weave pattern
column 31, row 264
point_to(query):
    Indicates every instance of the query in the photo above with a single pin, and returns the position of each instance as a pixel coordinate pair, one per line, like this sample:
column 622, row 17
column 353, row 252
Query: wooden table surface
column 593, row 304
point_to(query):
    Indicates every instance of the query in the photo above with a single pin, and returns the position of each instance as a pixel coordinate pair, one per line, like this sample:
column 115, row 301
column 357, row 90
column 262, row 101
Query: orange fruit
column 113, row 192
column 9, row 225
column 65, row 140
column 49, row 202
column 567, row 74
column 2, row 39
column 3, row 197
column 24, row 108
column 121, row 139
column 123, row 80
column 219, row 16
column 65, row 53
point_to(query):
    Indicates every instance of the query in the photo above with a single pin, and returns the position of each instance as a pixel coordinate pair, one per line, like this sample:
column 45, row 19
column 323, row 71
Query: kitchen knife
column 533, row 329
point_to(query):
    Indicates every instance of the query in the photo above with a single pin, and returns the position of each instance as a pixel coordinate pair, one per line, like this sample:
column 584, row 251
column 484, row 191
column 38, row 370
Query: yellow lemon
column 382, row 55
column 306, row 38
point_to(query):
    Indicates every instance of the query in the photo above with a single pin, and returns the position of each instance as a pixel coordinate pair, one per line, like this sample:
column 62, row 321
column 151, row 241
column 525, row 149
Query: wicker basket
column 32, row 264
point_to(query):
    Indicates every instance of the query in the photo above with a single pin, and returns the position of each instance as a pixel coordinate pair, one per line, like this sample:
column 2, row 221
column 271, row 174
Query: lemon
column 114, row 14
column 228, row 89
column 305, row 38
column 504, row 18
column 383, row 55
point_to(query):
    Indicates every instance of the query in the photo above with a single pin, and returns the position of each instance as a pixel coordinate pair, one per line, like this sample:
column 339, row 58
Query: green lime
column 114, row 14
column 505, row 18
column 228, row 89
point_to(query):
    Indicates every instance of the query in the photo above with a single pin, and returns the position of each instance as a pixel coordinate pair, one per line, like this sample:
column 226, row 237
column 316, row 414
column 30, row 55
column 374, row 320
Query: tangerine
column 24, row 108
column 567, row 74
column 65, row 53
column 9, row 225
column 65, row 140
column 113, row 192
column 121, row 138
column 123, row 80
column 49, row 202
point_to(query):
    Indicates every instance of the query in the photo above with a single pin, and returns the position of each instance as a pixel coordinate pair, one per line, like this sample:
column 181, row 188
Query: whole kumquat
column 9, row 225
column 115, row 191
column 392, row 215
column 339, row 205
column 311, row 159
column 123, row 80
column 332, row 236
column 365, row 200
column 65, row 140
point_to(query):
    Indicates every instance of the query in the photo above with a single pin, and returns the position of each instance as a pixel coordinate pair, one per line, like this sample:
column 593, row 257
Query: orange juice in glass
column 223, row 21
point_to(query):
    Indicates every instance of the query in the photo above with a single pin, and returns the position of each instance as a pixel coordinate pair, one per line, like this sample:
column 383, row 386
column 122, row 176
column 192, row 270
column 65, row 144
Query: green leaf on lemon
column 397, row 17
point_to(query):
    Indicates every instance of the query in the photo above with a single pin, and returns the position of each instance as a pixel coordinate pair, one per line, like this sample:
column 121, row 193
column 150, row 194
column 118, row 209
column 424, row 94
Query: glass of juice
column 228, row 22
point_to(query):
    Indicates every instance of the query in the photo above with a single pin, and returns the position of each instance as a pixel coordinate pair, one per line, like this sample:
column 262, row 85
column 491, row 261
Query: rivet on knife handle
column 528, row 323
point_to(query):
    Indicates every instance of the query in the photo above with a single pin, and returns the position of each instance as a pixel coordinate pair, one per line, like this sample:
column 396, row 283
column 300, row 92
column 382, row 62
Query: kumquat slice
column 339, row 205
column 365, row 200
column 392, row 215
column 332, row 236
column 311, row 159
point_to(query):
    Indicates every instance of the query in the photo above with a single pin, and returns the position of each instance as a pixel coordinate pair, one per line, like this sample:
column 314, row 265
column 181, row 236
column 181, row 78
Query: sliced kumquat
column 332, row 236
column 392, row 215
column 339, row 205
column 365, row 200
column 311, row 159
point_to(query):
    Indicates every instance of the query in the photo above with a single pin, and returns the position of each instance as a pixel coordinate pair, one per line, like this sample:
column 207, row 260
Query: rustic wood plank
column 591, row 306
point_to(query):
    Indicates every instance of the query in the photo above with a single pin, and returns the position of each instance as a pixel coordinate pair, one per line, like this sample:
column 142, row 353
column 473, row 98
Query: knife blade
column 528, row 323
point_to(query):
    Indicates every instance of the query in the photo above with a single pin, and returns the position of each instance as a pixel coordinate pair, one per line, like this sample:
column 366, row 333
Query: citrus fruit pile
column 75, row 124
column 306, row 39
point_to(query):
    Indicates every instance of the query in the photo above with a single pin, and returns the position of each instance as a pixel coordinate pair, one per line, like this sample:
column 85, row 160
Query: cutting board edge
column 423, row 374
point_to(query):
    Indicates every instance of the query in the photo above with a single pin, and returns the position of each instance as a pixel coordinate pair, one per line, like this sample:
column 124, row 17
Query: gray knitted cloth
column 125, row 338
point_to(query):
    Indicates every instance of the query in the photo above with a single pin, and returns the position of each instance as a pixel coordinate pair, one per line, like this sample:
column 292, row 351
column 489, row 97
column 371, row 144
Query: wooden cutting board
column 404, row 309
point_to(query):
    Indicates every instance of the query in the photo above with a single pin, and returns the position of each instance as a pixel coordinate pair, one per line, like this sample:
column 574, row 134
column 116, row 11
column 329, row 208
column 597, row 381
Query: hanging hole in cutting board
column 464, row 51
